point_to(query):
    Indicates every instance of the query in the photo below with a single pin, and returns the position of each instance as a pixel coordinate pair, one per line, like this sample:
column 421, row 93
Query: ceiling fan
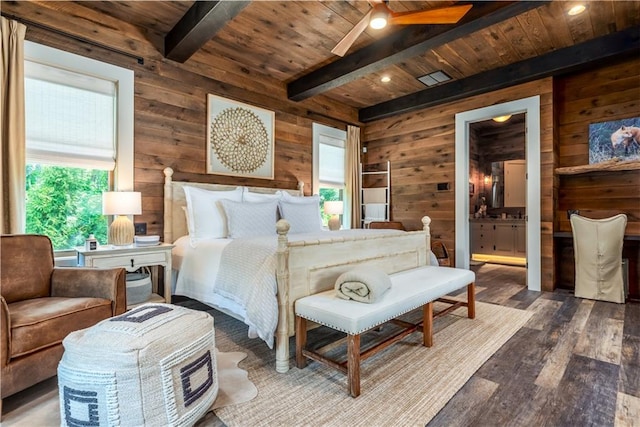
column 380, row 15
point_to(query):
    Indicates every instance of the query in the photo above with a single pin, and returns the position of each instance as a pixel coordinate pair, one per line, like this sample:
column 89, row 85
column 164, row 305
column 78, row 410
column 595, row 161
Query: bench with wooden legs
column 410, row 289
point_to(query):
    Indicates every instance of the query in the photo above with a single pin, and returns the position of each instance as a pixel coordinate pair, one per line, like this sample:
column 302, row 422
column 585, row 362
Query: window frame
column 124, row 79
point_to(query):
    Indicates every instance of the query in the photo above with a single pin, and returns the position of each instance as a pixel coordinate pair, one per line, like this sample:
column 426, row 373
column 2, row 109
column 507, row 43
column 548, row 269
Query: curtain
column 352, row 175
column 12, row 123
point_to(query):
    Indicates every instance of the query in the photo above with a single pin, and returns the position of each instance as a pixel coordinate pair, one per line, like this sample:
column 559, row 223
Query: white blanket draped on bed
column 252, row 262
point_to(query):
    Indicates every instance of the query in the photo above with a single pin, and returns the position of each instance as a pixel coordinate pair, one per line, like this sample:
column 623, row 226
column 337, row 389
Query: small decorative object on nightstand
column 334, row 208
column 121, row 203
column 132, row 258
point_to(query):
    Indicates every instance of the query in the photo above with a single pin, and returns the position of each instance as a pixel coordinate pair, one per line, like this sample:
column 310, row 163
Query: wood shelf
column 608, row 166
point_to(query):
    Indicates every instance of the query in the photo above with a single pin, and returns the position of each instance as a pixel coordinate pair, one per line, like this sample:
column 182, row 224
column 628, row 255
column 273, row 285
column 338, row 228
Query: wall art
column 240, row 139
column 614, row 139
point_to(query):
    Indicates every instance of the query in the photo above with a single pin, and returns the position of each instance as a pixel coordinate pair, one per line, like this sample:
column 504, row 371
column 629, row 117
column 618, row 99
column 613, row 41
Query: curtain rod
column 74, row 37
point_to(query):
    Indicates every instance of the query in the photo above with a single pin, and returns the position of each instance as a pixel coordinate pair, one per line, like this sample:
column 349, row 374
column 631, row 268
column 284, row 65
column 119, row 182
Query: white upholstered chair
column 597, row 246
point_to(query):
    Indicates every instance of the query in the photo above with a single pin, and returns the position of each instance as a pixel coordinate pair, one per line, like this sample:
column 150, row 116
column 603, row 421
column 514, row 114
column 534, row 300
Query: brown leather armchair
column 41, row 304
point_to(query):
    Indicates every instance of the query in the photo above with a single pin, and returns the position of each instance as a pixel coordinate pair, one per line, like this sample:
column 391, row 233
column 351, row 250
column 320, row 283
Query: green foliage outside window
column 66, row 204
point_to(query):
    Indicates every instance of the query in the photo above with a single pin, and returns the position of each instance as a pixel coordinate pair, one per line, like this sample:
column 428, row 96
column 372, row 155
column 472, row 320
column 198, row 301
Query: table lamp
column 334, row 208
column 121, row 203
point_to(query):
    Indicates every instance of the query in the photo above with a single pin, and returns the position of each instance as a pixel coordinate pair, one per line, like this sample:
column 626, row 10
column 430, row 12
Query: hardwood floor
column 576, row 362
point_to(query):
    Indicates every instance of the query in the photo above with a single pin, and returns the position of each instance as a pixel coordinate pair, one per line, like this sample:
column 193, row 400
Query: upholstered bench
column 154, row 365
column 410, row 289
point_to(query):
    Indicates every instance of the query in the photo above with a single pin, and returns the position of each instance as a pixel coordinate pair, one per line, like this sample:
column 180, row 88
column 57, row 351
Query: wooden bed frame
column 308, row 267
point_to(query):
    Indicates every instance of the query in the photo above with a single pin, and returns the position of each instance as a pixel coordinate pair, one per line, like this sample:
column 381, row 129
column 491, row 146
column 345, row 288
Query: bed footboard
column 309, row 267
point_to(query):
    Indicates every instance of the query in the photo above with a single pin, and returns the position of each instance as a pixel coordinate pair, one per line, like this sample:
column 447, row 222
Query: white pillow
column 302, row 217
column 300, row 199
column 250, row 219
column 206, row 218
column 251, row 197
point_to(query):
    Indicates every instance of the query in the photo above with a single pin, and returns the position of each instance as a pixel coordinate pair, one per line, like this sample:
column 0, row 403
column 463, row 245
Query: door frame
column 530, row 106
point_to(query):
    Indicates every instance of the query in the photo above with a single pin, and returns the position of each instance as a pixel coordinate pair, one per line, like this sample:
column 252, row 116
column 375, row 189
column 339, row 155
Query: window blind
column 70, row 118
column 331, row 166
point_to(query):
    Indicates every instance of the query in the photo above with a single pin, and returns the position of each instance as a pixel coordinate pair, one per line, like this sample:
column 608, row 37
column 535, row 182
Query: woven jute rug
column 406, row 384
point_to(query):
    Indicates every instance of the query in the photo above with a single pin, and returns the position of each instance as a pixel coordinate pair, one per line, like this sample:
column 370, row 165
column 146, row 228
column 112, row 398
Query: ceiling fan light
column 501, row 119
column 378, row 17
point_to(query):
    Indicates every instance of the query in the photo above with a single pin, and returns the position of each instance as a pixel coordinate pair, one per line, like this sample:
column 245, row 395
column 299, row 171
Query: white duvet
column 239, row 276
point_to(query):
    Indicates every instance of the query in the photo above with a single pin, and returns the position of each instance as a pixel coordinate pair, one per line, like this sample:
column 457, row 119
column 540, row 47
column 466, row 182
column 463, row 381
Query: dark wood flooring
column 576, row 362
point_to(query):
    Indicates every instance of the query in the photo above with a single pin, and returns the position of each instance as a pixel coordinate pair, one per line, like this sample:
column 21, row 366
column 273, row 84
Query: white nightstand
column 132, row 258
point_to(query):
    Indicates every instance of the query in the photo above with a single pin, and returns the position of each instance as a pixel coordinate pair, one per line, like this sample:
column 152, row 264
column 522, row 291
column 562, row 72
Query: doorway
column 531, row 107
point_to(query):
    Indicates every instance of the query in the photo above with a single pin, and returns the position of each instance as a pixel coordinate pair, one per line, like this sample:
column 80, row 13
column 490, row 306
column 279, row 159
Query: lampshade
column 121, row 203
column 334, row 208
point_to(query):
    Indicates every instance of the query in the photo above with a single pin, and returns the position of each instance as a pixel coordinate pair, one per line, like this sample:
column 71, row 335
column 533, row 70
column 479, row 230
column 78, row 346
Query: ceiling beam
column 198, row 25
column 407, row 43
column 561, row 61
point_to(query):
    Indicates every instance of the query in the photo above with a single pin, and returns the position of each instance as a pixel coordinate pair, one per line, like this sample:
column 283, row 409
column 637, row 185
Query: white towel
column 375, row 212
column 374, row 195
column 363, row 284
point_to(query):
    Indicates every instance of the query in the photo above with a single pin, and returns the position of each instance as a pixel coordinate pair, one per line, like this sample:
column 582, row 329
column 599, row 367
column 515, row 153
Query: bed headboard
column 175, row 222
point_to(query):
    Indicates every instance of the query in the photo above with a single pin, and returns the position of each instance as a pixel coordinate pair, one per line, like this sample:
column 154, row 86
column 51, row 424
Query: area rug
column 406, row 384
column 43, row 410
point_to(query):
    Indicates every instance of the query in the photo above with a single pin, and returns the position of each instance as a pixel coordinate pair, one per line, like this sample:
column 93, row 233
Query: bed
column 306, row 263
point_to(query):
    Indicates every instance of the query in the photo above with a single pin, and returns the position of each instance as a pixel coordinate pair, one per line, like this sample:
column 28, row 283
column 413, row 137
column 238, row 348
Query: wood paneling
column 170, row 103
column 608, row 93
column 421, row 149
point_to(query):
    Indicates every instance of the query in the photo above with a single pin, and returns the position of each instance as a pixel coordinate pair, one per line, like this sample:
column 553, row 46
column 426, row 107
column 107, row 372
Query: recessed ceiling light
column 577, row 9
column 385, row 79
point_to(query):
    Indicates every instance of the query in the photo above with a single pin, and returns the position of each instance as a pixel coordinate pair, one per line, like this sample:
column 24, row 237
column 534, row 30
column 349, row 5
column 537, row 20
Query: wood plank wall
column 421, row 148
column 609, row 93
column 170, row 103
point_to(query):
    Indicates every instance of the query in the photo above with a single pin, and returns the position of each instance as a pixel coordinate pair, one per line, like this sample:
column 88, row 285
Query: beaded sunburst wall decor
column 239, row 140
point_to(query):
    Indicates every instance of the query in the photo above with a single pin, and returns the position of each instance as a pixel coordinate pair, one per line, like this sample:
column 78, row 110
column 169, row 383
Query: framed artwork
column 614, row 139
column 240, row 139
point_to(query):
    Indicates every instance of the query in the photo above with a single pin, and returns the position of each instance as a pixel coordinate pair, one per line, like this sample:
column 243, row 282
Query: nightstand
column 132, row 258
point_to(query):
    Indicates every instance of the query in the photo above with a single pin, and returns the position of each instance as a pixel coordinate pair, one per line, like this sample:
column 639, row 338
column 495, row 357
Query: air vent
column 434, row 78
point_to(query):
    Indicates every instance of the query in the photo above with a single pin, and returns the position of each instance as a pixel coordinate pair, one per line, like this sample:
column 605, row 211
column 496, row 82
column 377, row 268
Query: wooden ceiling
column 288, row 40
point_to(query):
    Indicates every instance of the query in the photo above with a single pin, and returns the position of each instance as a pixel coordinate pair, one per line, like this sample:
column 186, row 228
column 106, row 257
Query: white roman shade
column 70, row 118
column 331, row 160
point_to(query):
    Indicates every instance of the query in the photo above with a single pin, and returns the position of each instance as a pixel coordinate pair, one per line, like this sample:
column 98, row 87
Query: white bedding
column 203, row 277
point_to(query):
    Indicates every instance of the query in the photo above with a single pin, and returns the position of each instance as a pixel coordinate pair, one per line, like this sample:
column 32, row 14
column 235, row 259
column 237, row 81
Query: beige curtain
column 12, row 156
column 352, row 175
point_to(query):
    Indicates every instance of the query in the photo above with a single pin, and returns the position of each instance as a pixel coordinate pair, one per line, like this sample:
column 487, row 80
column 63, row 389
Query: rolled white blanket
column 363, row 284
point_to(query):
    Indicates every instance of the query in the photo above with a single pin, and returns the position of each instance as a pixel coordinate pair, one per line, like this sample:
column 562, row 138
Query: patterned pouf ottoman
column 154, row 365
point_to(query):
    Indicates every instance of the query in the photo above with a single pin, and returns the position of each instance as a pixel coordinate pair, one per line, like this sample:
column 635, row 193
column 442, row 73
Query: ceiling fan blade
column 343, row 46
column 441, row 15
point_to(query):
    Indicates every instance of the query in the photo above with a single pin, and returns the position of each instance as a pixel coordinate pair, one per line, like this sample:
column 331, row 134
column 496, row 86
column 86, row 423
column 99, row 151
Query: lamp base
column 121, row 231
column 334, row 223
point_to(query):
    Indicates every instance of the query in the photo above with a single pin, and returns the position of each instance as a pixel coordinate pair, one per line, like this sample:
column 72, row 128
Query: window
column 329, row 167
column 79, row 137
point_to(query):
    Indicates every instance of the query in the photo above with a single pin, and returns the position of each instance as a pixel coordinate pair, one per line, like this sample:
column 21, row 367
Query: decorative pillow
column 206, row 218
column 302, row 217
column 250, row 219
column 251, row 197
